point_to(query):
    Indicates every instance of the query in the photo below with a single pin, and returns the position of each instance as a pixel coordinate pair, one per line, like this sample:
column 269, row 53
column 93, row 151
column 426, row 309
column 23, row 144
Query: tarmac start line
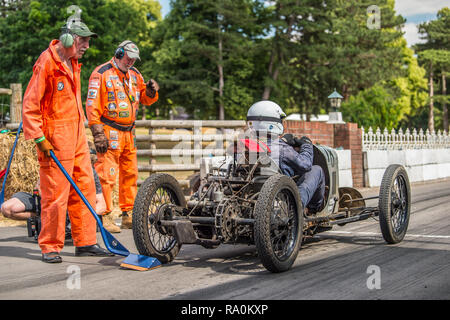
column 379, row 234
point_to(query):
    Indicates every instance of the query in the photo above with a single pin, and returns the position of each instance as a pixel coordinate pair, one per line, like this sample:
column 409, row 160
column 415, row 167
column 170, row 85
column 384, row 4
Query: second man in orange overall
column 115, row 90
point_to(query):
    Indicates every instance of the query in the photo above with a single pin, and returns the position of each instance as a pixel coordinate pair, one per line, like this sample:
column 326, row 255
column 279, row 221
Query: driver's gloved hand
column 304, row 140
column 289, row 139
column 297, row 142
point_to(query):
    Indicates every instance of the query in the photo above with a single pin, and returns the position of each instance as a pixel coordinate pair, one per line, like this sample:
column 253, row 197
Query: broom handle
column 10, row 159
column 86, row 202
column 112, row 244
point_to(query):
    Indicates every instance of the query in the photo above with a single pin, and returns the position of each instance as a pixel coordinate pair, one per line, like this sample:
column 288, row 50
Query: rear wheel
column 278, row 223
column 394, row 203
column 157, row 191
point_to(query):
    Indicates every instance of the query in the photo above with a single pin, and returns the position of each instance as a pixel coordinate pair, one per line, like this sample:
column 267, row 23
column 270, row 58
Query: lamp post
column 335, row 116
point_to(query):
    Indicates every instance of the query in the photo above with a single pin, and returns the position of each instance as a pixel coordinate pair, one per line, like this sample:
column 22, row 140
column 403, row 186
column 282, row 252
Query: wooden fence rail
column 189, row 143
column 5, row 91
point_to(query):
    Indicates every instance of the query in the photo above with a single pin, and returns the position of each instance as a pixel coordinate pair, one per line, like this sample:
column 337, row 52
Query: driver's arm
column 300, row 161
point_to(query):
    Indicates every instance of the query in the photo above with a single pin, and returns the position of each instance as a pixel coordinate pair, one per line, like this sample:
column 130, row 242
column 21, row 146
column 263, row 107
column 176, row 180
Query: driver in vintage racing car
column 293, row 155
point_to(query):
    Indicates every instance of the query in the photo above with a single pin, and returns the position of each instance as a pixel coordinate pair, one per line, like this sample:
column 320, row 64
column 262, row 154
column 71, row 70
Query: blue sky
column 165, row 4
column 414, row 11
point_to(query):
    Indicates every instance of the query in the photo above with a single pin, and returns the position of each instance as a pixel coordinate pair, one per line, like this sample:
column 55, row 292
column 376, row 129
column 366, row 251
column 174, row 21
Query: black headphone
column 120, row 51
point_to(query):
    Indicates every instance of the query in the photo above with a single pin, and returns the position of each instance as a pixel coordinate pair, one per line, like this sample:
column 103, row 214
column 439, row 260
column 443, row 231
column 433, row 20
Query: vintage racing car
column 243, row 199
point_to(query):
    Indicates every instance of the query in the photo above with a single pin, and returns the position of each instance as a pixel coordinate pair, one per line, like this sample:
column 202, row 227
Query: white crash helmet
column 266, row 117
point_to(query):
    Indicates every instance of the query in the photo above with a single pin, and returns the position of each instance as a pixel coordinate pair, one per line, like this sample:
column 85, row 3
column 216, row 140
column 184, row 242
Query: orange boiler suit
column 52, row 108
column 113, row 100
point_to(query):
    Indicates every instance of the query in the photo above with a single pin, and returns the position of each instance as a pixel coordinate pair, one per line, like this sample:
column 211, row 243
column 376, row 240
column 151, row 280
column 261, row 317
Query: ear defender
column 120, row 52
column 66, row 38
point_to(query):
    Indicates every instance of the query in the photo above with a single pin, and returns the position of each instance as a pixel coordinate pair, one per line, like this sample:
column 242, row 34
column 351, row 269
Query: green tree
column 297, row 55
column 202, row 57
column 363, row 53
column 379, row 64
column 373, row 107
column 317, row 46
column 411, row 88
column 27, row 27
column 405, row 95
column 434, row 55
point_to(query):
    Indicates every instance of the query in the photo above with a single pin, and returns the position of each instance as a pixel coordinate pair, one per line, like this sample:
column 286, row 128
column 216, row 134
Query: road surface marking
column 379, row 234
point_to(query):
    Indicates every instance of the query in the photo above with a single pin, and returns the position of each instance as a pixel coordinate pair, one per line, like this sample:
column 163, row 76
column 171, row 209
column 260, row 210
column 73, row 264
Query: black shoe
column 51, row 257
column 93, row 250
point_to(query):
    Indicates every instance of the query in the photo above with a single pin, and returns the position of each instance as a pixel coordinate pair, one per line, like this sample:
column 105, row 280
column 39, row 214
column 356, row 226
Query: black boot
column 51, row 257
column 93, row 250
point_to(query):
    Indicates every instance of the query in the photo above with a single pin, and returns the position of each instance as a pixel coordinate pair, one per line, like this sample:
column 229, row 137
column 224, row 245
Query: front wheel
column 394, row 204
column 278, row 223
column 151, row 239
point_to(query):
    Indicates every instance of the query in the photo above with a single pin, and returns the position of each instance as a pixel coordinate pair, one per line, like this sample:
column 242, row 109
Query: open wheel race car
column 244, row 198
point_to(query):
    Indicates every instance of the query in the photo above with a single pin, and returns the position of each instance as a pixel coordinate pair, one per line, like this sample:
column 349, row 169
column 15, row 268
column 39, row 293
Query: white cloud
column 411, row 34
column 417, row 11
column 412, row 7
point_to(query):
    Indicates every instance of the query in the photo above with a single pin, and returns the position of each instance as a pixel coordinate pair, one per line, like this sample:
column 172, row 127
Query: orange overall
column 52, row 108
column 113, row 100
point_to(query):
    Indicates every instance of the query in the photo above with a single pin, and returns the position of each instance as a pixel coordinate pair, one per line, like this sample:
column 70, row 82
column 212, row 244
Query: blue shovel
column 2, row 193
column 132, row 261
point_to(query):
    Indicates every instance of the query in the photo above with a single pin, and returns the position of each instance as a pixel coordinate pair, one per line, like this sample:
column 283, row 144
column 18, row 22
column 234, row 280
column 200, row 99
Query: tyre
column 150, row 238
column 394, row 204
column 278, row 226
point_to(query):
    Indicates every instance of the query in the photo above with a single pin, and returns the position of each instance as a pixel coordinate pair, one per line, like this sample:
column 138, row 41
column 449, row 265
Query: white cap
column 131, row 49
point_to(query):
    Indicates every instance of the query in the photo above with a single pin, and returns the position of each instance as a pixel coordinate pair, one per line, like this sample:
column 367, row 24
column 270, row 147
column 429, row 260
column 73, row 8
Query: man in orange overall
column 53, row 116
column 115, row 90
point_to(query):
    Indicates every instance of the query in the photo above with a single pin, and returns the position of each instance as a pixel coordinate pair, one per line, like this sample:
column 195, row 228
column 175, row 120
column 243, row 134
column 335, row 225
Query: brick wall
column 346, row 136
column 318, row 132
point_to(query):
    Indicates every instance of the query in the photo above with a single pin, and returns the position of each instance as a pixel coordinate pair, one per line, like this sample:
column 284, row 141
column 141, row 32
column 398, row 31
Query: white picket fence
column 403, row 140
column 425, row 156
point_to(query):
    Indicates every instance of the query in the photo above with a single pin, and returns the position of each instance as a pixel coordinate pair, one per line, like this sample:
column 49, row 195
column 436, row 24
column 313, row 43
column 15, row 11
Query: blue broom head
column 140, row 262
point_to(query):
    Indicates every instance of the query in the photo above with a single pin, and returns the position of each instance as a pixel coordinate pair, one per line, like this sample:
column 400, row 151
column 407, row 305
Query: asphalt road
column 350, row 262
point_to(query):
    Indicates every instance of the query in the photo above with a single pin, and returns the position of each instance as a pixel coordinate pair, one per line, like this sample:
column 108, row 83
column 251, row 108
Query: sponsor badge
column 124, row 114
column 113, row 135
column 94, row 84
column 92, row 93
column 121, row 95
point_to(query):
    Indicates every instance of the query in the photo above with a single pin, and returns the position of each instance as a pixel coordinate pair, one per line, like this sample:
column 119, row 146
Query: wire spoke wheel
column 399, row 204
column 394, row 203
column 151, row 239
column 283, row 226
column 278, row 223
column 160, row 237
